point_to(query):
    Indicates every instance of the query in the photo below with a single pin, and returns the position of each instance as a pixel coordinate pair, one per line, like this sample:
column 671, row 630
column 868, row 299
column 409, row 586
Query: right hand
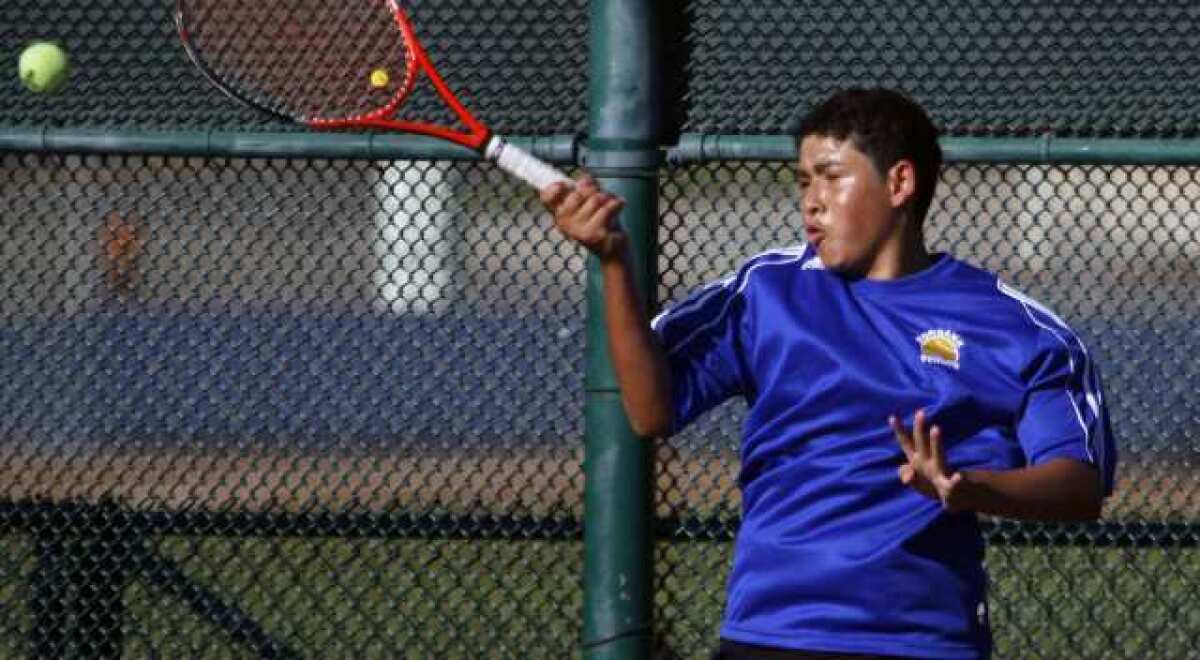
column 587, row 215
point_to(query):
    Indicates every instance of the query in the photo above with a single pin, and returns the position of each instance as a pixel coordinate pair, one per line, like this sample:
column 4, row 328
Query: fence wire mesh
column 322, row 408
column 982, row 68
column 521, row 66
column 380, row 348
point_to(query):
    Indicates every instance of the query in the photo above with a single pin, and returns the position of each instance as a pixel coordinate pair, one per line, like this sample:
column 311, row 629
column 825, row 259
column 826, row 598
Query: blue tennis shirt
column 834, row 553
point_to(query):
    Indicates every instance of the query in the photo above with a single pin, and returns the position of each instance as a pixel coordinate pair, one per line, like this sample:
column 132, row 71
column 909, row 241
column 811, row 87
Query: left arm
column 1059, row 490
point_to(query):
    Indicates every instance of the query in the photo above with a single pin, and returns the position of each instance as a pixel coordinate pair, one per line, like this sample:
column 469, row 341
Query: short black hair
column 887, row 127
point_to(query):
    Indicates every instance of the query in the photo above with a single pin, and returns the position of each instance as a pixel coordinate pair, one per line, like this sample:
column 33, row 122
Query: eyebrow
column 822, row 165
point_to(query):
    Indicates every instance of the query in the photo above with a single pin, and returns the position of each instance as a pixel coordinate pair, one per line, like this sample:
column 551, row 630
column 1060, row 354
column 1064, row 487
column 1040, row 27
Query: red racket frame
column 417, row 61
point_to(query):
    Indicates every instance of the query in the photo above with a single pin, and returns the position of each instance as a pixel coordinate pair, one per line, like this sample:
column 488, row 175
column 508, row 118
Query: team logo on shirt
column 942, row 347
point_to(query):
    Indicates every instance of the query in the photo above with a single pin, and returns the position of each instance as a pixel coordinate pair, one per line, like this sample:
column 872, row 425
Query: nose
column 810, row 201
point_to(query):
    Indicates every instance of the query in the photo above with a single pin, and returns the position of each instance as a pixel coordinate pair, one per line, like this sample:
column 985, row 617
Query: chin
column 841, row 265
column 831, row 259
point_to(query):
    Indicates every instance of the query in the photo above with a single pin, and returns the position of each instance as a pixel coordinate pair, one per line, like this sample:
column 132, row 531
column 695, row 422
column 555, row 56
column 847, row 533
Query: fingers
column 586, row 214
column 923, row 443
column 936, row 453
column 596, row 214
column 566, row 201
column 926, row 469
column 903, row 437
column 553, row 195
column 570, row 202
column 590, row 202
column 920, row 433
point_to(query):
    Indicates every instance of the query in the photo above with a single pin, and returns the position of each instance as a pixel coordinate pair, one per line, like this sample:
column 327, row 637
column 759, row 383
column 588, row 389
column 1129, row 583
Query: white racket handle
column 524, row 165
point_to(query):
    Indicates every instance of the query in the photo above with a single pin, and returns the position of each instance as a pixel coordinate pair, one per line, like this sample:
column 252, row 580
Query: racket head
column 316, row 62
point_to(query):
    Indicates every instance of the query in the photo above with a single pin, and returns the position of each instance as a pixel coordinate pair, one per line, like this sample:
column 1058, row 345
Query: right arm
column 588, row 216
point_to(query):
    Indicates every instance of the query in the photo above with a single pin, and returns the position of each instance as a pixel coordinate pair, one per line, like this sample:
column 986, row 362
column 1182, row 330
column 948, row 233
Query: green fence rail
column 567, row 149
column 229, row 144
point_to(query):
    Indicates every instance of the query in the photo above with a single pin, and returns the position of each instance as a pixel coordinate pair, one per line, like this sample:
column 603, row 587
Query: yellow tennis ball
column 44, row 67
column 380, row 78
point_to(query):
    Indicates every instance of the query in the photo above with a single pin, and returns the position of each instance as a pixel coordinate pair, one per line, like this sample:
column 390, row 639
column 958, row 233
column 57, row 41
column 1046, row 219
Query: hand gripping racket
column 331, row 64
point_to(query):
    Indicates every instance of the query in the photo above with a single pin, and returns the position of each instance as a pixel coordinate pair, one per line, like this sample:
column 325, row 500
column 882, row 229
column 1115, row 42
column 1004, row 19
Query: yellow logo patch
column 942, row 347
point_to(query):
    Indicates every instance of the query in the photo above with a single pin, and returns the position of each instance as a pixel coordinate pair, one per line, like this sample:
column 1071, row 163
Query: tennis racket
column 334, row 64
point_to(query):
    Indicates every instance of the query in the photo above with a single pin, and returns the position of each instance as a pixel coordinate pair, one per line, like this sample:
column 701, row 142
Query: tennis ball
column 379, row 78
column 44, row 67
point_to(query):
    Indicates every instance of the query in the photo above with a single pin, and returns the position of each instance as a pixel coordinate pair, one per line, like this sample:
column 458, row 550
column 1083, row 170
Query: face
column 849, row 210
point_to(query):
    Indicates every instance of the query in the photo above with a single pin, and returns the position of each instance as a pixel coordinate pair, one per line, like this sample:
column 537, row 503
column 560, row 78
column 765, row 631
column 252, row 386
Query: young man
column 893, row 395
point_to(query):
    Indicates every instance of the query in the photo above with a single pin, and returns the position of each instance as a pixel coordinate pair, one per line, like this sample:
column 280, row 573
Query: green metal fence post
column 623, row 155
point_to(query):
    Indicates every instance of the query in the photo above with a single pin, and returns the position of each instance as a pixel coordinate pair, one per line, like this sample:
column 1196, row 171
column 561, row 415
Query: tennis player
column 893, row 395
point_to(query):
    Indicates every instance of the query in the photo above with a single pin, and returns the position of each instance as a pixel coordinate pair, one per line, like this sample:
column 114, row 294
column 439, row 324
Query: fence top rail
column 567, row 149
column 697, row 148
column 249, row 144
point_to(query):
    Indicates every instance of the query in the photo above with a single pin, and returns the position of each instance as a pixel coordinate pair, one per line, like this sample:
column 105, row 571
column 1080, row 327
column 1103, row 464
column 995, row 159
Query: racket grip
column 524, row 165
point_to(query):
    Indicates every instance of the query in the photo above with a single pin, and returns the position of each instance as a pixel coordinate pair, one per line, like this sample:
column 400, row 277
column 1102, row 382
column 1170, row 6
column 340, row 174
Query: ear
column 901, row 183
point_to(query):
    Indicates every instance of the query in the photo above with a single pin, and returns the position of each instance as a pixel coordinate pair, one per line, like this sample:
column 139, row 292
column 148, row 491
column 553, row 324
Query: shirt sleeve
column 702, row 338
column 1064, row 414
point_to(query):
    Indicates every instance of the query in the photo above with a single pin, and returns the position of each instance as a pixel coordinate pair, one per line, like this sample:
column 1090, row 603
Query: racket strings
column 312, row 60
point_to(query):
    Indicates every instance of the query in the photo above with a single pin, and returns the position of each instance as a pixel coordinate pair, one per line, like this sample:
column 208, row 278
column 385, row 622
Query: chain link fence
column 305, row 407
column 286, row 407
column 383, row 349
column 131, row 71
column 1114, row 69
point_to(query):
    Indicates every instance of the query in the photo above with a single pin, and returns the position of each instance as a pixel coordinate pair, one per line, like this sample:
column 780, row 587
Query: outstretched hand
column 926, row 470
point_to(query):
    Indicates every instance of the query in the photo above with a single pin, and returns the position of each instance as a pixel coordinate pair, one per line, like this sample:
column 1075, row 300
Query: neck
column 902, row 255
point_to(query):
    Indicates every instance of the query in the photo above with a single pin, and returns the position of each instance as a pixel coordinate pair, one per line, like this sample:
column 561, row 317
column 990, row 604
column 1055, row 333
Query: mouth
column 813, row 236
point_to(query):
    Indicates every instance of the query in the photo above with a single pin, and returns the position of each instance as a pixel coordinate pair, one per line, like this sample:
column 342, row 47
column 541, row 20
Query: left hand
column 926, row 469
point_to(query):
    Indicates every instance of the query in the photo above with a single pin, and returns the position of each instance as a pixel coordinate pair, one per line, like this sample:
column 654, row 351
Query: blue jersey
column 834, row 553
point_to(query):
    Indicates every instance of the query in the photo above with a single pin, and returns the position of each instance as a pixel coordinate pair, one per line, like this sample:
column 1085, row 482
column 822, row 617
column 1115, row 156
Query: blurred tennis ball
column 44, row 67
column 380, row 78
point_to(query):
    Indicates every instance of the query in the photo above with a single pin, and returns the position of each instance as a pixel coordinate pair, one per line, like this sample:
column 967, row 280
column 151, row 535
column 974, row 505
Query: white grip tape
column 515, row 160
